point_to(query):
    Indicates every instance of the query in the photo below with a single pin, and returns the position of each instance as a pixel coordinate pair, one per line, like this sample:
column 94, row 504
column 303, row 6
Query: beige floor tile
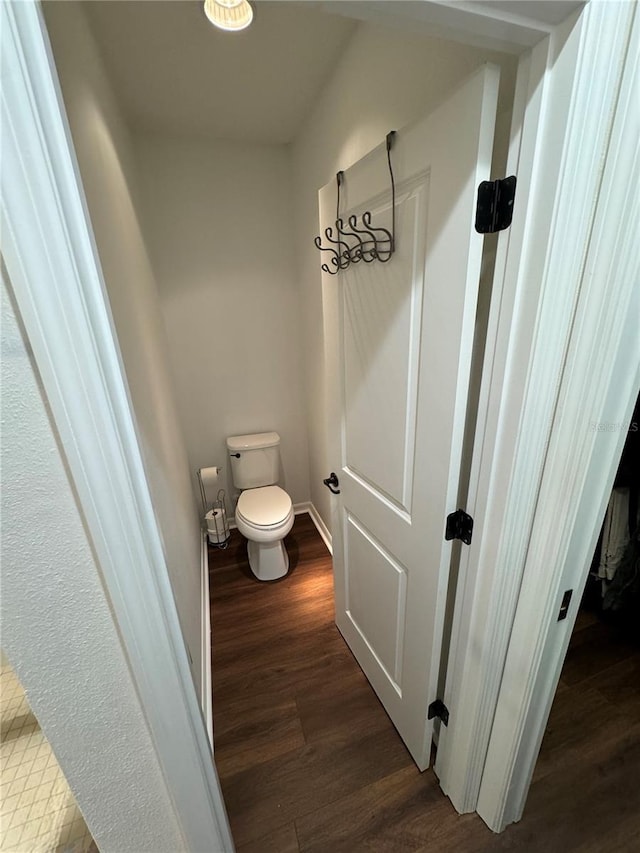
column 10, row 838
column 9, row 804
column 39, row 764
column 17, row 786
column 31, row 753
column 58, row 802
column 6, row 748
column 49, row 774
column 7, row 776
column 36, row 742
column 12, row 760
column 38, row 810
column 27, row 797
column 37, row 805
column 34, row 780
column 78, row 829
column 63, row 837
column 52, row 824
column 45, row 789
column 23, row 770
column 59, row 786
column 31, row 830
column 18, row 817
column 69, row 813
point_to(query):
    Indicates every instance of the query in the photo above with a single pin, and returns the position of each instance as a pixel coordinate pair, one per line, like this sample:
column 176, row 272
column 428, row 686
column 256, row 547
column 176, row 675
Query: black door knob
column 331, row 482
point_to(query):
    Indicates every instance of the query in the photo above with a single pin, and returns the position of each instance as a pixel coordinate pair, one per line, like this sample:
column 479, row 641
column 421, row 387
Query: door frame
column 521, row 386
column 564, row 279
column 54, row 269
column 597, row 389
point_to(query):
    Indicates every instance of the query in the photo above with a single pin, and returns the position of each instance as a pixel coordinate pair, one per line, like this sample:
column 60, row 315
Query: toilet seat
column 265, row 507
column 264, row 514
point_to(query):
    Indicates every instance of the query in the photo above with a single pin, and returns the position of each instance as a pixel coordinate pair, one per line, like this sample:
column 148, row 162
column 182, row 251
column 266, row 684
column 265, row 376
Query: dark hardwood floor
column 309, row 761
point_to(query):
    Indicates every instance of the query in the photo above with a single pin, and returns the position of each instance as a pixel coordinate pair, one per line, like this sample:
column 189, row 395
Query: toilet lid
column 265, row 506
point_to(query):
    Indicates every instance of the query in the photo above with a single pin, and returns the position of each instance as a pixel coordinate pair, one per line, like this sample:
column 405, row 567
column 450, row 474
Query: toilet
column 264, row 513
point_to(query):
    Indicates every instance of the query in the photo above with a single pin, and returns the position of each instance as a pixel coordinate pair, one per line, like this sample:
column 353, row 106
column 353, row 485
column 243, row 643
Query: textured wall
column 104, row 155
column 218, row 221
column 58, row 632
column 385, row 79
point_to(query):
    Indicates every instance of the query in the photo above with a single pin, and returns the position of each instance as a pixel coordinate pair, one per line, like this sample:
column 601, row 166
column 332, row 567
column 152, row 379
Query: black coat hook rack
column 351, row 244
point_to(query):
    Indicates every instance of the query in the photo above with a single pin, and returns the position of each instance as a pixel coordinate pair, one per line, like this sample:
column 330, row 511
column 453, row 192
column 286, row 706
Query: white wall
column 104, row 155
column 58, row 631
column 385, row 79
column 219, row 225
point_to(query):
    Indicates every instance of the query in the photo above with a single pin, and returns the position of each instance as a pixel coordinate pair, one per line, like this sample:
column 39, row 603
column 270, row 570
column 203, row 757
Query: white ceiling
column 173, row 71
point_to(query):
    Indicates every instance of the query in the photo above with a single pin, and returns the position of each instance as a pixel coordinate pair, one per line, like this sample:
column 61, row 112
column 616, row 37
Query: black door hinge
column 459, row 526
column 494, row 208
column 438, row 709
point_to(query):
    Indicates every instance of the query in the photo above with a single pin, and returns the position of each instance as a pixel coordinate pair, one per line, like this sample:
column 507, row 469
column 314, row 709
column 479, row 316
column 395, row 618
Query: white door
column 399, row 338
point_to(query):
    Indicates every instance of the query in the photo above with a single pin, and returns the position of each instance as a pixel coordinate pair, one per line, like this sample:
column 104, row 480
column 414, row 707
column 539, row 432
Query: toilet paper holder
column 218, row 532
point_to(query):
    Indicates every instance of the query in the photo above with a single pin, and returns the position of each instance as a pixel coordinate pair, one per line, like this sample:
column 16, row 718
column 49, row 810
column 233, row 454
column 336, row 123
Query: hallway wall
column 58, row 630
column 105, row 159
column 218, row 221
column 385, row 79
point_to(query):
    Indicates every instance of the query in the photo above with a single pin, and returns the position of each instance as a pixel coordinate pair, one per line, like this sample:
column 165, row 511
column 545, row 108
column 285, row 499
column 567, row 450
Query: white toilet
column 264, row 514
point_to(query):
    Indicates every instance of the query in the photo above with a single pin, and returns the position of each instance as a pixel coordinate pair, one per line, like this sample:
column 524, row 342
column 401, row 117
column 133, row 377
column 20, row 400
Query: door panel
column 381, row 349
column 398, row 339
column 376, row 587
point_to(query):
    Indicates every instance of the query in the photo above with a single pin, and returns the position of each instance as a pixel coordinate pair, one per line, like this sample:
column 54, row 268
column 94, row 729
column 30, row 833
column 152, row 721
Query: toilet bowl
column 264, row 516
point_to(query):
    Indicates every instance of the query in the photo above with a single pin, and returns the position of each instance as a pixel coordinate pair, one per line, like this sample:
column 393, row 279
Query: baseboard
column 206, row 699
column 321, row 527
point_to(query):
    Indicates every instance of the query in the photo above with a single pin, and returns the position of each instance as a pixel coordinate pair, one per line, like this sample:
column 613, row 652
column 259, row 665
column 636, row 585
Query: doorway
column 591, row 746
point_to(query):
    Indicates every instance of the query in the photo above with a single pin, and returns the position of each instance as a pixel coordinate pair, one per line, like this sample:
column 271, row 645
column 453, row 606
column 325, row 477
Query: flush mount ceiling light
column 231, row 15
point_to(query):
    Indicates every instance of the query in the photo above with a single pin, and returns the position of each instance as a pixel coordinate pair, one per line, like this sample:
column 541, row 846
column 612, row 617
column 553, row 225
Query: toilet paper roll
column 217, row 526
column 209, row 477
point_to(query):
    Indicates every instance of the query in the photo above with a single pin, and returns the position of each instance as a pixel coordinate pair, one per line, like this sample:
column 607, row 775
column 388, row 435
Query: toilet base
column 268, row 560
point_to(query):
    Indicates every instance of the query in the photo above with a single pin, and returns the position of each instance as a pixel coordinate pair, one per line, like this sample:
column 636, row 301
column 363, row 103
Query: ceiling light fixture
column 230, row 15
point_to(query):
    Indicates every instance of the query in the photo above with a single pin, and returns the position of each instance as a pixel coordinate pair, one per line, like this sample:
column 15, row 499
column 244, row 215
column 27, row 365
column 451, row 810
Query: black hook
column 370, row 248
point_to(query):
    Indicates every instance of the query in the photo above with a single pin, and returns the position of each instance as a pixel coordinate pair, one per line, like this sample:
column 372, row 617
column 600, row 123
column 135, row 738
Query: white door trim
column 531, row 332
column 61, row 298
column 55, row 272
column 599, row 383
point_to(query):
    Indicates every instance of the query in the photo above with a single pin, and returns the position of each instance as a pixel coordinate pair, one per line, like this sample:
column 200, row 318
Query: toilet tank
column 255, row 459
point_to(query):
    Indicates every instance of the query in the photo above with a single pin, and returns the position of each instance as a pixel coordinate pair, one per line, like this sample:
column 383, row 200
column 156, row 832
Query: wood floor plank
column 283, row 840
column 585, row 805
column 399, row 812
column 250, row 734
column 276, row 792
column 577, row 720
column 344, row 704
column 593, row 649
